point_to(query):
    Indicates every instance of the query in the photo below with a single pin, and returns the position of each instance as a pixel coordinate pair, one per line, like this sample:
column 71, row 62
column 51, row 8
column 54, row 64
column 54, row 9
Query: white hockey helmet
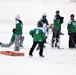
column 17, row 16
column 45, row 14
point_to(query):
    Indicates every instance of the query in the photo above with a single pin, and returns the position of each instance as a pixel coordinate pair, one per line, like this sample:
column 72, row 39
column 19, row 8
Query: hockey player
column 44, row 22
column 43, row 19
column 12, row 41
column 38, row 38
column 58, row 20
column 71, row 27
column 18, row 33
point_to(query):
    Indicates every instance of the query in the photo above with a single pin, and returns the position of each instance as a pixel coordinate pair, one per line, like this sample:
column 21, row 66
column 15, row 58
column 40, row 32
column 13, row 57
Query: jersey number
column 37, row 31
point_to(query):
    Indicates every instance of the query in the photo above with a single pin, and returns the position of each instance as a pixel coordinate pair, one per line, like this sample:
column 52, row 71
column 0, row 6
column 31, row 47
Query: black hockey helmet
column 72, row 15
column 57, row 11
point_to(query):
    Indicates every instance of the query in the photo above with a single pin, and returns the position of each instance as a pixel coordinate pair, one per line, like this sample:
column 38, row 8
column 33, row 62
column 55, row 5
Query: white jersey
column 45, row 27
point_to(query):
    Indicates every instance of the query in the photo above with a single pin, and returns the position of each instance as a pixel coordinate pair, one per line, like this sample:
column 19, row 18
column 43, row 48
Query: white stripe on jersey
column 17, row 22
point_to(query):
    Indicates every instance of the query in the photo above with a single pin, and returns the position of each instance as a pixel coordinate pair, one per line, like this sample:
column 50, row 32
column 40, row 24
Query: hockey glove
column 14, row 30
column 44, row 40
column 69, row 33
column 61, row 19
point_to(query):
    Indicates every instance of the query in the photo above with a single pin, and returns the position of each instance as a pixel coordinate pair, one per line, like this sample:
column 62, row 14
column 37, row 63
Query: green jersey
column 19, row 26
column 37, row 34
column 13, row 37
column 57, row 24
column 71, row 27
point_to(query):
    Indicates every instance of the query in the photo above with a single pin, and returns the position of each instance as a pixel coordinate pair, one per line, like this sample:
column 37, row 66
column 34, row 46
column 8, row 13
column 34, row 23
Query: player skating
column 44, row 22
column 58, row 20
column 38, row 38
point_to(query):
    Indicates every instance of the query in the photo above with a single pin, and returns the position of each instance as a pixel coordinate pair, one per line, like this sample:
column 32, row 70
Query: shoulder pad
column 70, row 22
column 54, row 18
column 17, row 22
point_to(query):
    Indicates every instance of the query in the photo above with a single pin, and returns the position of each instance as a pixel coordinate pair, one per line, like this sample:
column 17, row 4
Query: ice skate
column 42, row 56
column 21, row 46
column 0, row 43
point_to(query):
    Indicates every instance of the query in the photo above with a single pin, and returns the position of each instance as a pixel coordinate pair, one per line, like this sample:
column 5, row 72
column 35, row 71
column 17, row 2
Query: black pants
column 72, row 40
column 33, row 47
column 43, row 44
column 56, row 36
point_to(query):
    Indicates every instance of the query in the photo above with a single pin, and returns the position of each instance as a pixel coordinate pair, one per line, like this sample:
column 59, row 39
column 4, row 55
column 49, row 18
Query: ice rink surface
column 56, row 62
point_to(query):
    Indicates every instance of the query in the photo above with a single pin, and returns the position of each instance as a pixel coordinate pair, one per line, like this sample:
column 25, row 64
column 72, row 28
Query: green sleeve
column 61, row 19
column 31, row 33
column 43, row 36
column 69, row 27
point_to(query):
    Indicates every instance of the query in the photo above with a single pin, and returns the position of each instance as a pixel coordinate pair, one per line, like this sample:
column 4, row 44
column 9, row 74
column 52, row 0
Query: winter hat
column 57, row 11
column 72, row 15
column 44, row 14
column 17, row 16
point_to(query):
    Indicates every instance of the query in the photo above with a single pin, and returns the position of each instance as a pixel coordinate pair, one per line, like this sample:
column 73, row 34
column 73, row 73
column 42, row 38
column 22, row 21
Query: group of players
column 40, row 33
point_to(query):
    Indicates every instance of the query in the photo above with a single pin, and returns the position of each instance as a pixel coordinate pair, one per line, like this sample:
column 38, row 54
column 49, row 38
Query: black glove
column 14, row 30
column 32, row 35
column 44, row 40
column 61, row 19
column 69, row 33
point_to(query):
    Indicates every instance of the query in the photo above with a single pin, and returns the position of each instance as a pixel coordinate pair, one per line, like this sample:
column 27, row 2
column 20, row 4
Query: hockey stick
column 48, row 43
column 49, row 39
column 58, row 48
column 73, row 41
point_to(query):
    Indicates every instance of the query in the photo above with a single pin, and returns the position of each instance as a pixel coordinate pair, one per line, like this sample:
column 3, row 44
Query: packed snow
column 56, row 61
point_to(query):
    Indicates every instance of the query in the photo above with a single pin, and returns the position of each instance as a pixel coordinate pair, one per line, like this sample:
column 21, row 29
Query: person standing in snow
column 45, row 24
column 38, row 38
column 71, row 27
column 58, row 20
column 12, row 40
column 18, row 32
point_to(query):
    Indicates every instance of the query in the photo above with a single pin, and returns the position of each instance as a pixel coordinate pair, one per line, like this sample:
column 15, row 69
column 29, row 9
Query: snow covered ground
column 56, row 62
